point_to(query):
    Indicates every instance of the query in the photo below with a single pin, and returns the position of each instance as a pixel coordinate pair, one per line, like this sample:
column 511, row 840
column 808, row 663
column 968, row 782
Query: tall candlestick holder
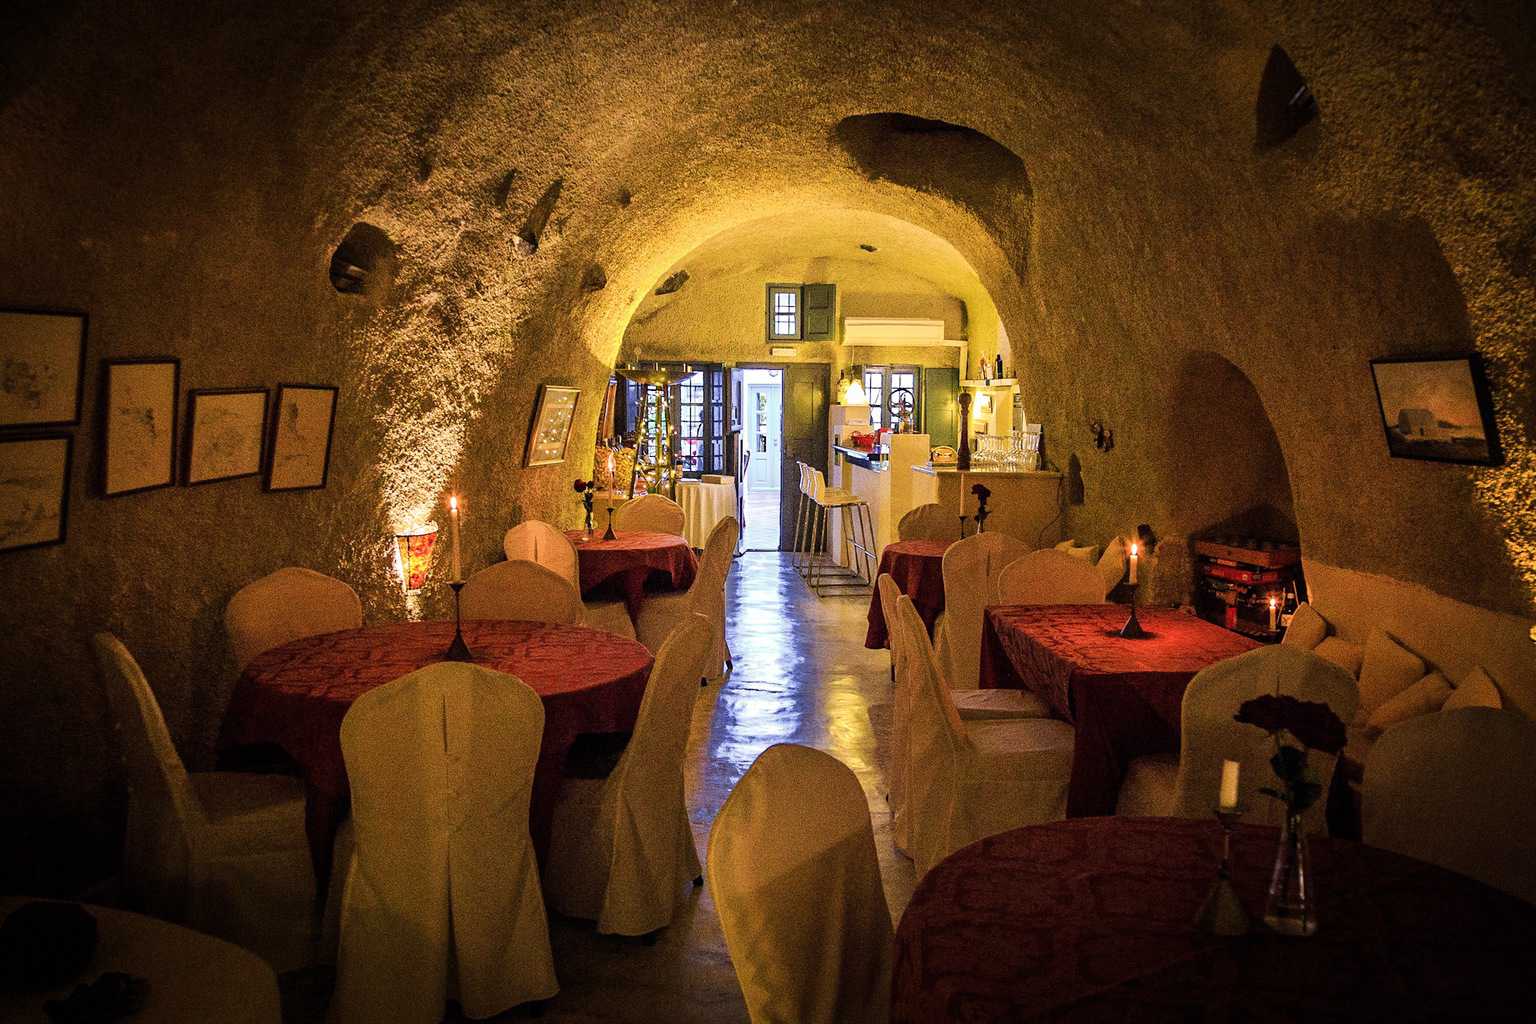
column 608, row 534
column 1132, row 629
column 963, row 521
column 458, row 650
column 1222, row 912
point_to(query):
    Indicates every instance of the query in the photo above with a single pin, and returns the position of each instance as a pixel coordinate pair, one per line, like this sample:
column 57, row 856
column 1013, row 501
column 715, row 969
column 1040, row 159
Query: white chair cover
column 929, row 522
column 224, row 852
column 622, row 848
column 655, row 512
column 442, row 894
column 521, row 590
column 971, row 568
column 796, row 879
column 538, row 541
column 1049, row 577
column 661, row 613
column 1209, row 736
column 286, row 605
column 966, row 781
column 1458, row 789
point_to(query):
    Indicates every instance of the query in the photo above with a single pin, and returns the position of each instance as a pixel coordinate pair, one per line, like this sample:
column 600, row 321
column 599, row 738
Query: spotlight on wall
column 413, row 556
column 856, row 394
column 983, row 406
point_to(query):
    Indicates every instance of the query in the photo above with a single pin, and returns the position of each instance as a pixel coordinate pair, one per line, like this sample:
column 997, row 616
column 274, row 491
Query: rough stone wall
column 184, row 171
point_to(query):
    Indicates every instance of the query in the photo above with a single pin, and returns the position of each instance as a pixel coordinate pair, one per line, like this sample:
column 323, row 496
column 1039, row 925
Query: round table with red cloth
column 917, row 568
column 296, row 695
column 1092, row 919
column 632, row 563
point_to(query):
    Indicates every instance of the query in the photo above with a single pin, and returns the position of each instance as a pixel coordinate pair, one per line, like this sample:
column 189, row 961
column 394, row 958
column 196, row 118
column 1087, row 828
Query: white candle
column 962, row 495
column 453, row 511
column 1274, row 604
column 610, row 479
column 1229, row 773
column 1133, row 562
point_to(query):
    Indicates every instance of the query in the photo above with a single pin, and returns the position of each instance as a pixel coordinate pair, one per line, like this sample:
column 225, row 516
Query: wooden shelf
column 999, row 384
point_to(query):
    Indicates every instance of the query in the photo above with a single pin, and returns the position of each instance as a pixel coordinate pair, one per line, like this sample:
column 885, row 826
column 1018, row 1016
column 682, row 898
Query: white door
column 764, row 431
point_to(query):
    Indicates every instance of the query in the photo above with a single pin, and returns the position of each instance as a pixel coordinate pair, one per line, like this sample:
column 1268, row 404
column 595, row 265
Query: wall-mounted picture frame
column 34, row 490
column 225, row 429
column 299, row 446
column 554, row 413
column 1437, row 408
column 42, row 367
column 139, row 400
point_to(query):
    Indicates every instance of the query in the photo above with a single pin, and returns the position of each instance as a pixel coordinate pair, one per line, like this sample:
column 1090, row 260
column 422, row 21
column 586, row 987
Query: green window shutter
column 818, row 303
column 941, row 390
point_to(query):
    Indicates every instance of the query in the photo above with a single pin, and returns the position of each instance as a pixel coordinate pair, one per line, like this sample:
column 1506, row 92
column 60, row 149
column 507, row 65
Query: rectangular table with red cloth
column 917, row 569
column 1123, row 696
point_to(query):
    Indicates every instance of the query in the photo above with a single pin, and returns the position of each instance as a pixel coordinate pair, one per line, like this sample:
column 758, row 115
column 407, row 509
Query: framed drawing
column 138, row 424
column 299, row 449
column 42, row 358
column 225, row 427
column 34, row 490
column 1437, row 408
column 553, row 415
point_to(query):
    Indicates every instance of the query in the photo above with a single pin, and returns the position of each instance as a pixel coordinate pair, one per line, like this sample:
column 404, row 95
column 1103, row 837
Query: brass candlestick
column 458, row 650
column 1222, row 912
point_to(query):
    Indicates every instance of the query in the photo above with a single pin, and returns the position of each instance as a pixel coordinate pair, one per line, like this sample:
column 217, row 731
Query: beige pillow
column 1341, row 652
column 1066, row 545
column 1112, row 565
column 1086, row 554
column 1388, row 670
column 1422, row 698
column 1476, row 690
column 1307, row 628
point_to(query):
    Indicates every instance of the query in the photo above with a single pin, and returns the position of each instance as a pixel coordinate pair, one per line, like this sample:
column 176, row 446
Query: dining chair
column 223, row 852
column 1049, row 577
column 1186, row 785
column 1455, row 788
column 442, row 890
column 655, row 512
column 536, row 541
column 969, row 780
column 971, row 568
column 796, row 881
column 521, row 590
column 621, row 849
column 287, row 605
column 661, row 613
column 929, row 522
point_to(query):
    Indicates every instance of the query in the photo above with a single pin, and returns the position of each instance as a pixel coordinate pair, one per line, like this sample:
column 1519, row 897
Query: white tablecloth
column 705, row 503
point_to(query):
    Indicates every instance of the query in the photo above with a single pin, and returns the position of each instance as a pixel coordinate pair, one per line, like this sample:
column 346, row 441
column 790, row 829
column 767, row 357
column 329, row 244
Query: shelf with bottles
column 996, row 384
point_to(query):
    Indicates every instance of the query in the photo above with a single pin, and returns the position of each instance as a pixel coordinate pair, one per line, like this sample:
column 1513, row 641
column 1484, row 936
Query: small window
column 802, row 312
column 783, row 311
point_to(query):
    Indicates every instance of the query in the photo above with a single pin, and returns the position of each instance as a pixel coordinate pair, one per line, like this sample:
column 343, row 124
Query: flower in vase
column 981, row 492
column 579, row 485
column 1311, row 724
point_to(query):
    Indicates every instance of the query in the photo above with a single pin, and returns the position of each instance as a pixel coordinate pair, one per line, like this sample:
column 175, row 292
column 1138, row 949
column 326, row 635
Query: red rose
column 579, row 485
column 981, row 492
column 1313, row 723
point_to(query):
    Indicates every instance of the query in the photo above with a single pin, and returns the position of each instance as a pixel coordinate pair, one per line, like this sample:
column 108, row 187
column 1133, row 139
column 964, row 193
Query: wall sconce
column 413, row 554
column 856, row 395
column 983, row 406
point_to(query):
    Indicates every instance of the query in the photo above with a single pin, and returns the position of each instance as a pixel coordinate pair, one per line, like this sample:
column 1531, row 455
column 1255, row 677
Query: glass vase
column 1290, row 909
column 587, row 531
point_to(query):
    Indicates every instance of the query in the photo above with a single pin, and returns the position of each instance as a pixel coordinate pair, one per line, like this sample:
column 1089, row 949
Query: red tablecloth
column 636, row 560
column 1092, row 920
column 917, row 568
column 1122, row 695
column 296, row 696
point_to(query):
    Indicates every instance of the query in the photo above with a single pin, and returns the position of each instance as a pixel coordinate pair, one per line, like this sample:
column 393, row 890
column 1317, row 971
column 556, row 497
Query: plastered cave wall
column 184, row 173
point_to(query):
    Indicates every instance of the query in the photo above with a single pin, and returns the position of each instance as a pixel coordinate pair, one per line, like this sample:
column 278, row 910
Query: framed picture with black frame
column 139, row 399
column 42, row 367
column 299, row 441
column 225, row 430
column 1437, row 408
column 34, row 489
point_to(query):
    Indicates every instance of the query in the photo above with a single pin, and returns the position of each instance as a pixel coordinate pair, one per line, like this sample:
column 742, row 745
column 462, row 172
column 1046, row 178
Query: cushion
column 1089, row 554
column 1112, row 565
column 1341, row 652
column 1307, row 628
column 1422, row 698
column 1475, row 690
column 1387, row 670
column 1066, row 545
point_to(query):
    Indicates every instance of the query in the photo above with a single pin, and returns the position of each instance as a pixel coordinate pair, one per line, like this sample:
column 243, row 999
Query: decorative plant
column 587, row 489
column 1312, row 725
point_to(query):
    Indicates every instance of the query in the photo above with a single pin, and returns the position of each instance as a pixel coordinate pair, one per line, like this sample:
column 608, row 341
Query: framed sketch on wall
column 34, row 490
column 1437, row 408
column 225, row 427
column 42, row 358
column 138, row 424
column 299, row 449
column 553, row 415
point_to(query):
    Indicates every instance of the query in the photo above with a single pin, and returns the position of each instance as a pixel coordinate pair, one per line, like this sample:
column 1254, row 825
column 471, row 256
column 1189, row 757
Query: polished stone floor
column 802, row 676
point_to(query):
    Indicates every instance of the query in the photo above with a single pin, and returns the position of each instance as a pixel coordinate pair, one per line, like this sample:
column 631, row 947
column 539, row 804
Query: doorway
column 762, row 392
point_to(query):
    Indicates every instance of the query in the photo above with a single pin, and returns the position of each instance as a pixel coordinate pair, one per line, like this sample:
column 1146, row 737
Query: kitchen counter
column 859, row 457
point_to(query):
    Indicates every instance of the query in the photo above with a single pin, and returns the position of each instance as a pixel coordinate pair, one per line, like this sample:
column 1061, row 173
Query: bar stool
column 856, row 519
column 801, row 559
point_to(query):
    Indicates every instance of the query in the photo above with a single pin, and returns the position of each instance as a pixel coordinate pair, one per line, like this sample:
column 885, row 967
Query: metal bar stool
column 801, row 548
column 825, row 572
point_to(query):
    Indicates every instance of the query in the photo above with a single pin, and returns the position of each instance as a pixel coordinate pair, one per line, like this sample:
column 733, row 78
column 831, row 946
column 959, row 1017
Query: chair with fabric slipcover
column 1185, row 786
column 442, row 897
column 796, row 879
column 287, row 605
column 223, row 852
column 1049, row 577
column 654, row 512
column 621, row 849
column 538, row 541
column 971, row 568
column 929, row 522
column 969, row 780
column 1457, row 789
column 521, row 590
column 661, row 613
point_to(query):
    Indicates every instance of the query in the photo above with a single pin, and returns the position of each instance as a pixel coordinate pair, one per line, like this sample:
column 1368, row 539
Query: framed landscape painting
column 138, row 418
column 299, row 450
column 42, row 358
column 1437, row 408
column 553, row 415
column 34, row 490
column 225, row 427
